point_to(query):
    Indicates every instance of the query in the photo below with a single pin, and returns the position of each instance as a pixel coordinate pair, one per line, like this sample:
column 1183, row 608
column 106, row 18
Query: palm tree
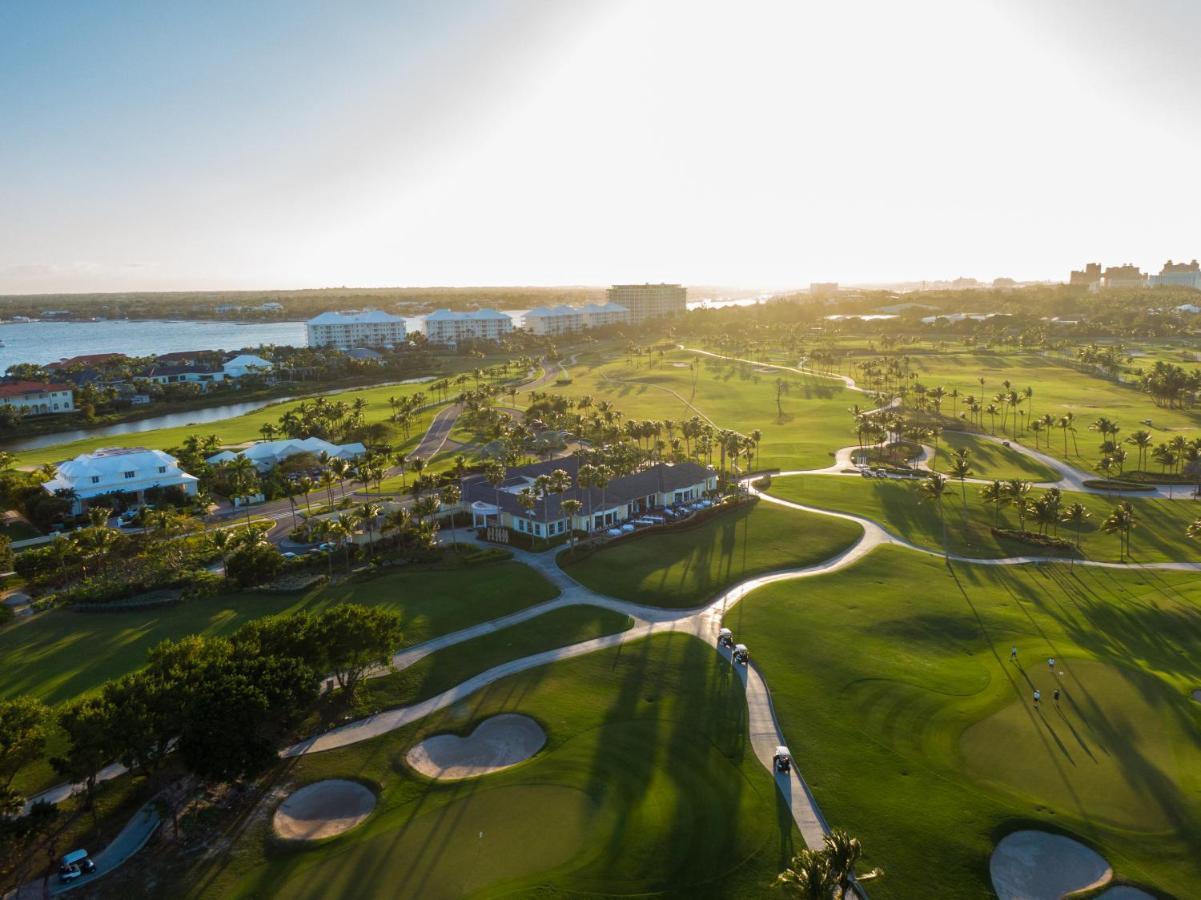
column 961, row 469
column 450, row 494
column 1017, row 490
column 369, row 513
column 571, row 508
column 1194, row 530
column 527, row 499
column 1076, row 514
column 1119, row 522
column 327, row 480
column 933, row 488
column 1141, row 440
column 998, row 496
column 341, row 470
column 808, row 876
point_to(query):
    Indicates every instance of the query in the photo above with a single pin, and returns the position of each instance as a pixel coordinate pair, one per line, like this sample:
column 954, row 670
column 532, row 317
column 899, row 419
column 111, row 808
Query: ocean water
column 47, row 342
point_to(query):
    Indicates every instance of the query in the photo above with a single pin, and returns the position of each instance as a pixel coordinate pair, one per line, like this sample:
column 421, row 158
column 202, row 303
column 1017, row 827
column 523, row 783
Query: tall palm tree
column 571, row 508
column 1141, row 441
column 368, row 514
column 1075, row 514
column 933, row 488
column 961, row 469
column 996, row 494
column 449, row 495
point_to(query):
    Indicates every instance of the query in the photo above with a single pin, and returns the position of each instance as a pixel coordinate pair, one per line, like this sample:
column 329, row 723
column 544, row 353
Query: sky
column 273, row 145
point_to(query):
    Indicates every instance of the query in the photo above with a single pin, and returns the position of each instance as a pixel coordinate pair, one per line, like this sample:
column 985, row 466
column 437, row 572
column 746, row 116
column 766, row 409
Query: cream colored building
column 556, row 320
column 597, row 316
column 650, row 301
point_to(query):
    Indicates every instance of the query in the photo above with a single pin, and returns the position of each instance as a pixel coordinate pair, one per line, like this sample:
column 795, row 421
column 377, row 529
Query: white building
column 597, row 316
column 556, row 320
column 125, row 471
column 246, row 364
column 1178, row 275
column 345, row 331
column 649, row 301
column 266, row 455
column 33, row 398
column 443, row 326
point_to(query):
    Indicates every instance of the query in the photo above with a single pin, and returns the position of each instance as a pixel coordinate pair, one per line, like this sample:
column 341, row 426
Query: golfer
column 1055, row 696
column 1037, row 697
column 1051, row 663
column 1013, row 653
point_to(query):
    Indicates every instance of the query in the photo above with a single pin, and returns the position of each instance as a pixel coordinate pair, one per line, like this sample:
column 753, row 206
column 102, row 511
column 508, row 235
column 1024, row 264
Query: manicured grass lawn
column 61, row 654
column 448, row 667
column 1159, row 535
column 893, row 683
column 989, row 459
column 1058, row 389
column 647, row 785
column 815, row 423
column 686, row 567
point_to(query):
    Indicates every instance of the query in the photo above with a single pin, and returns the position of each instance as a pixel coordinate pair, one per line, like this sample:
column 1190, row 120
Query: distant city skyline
column 290, row 145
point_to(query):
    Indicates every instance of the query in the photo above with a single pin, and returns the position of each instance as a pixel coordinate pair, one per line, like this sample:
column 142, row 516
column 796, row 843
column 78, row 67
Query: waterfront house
column 246, row 364
column 119, row 476
column 33, row 398
column 347, row 330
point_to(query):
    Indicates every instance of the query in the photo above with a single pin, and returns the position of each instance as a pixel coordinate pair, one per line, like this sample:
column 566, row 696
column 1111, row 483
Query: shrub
column 202, row 584
column 1034, row 539
column 254, row 565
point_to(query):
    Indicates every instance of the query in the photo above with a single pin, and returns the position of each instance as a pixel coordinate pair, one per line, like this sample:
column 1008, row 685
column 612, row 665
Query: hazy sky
column 302, row 144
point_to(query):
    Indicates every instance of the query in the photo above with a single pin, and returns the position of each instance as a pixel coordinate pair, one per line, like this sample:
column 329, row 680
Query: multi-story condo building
column 1089, row 276
column 596, row 316
column 345, row 331
column 649, row 301
column 33, row 398
column 556, row 320
column 1178, row 275
column 118, row 476
column 443, row 326
column 1127, row 276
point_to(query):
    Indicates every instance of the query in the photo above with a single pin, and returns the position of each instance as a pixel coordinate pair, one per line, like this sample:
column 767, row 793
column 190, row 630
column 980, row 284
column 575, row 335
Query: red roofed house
column 34, row 398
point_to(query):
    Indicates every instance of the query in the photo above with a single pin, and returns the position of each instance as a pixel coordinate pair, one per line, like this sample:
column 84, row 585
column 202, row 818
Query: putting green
column 1103, row 740
column 893, row 683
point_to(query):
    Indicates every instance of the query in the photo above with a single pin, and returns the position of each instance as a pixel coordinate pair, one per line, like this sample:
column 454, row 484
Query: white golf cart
column 75, row 865
column 741, row 654
column 782, row 759
column 725, row 638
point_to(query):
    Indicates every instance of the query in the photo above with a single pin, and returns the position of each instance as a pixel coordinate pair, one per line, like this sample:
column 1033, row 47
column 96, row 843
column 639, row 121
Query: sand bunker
column 496, row 744
column 1037, row 865
column 323, row 809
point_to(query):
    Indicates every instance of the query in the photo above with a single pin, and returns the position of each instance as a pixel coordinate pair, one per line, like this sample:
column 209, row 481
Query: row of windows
column 162, row 470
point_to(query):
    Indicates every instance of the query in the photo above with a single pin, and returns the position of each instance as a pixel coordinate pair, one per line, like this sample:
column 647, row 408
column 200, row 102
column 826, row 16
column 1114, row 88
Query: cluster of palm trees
column 828, row 873
column 331, row 420
column 1174, row 456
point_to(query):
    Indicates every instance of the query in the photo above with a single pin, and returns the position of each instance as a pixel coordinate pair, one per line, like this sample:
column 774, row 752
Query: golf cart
column 725, row 638
column 741, row 654
column 782, row 760
column 75, row 865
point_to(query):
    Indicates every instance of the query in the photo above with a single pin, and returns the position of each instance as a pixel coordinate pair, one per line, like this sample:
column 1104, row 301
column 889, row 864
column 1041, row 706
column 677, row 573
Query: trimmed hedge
column 1034, row 539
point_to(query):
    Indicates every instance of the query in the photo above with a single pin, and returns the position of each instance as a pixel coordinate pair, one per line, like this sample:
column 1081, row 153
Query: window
column 162, row 470
column 95, row 479
column 131, row 474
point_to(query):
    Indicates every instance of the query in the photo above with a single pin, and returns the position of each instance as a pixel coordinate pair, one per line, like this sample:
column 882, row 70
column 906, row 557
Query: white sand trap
column 680, row 365
column 323, row 809
column 496, row 744
column 1124, row 892
column 1038, row 865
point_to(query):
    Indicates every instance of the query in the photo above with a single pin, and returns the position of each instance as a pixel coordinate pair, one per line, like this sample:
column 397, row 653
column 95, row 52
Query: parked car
column 782, row 759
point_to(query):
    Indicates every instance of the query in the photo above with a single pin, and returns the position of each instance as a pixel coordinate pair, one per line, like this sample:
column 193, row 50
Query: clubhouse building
column 623, row 498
